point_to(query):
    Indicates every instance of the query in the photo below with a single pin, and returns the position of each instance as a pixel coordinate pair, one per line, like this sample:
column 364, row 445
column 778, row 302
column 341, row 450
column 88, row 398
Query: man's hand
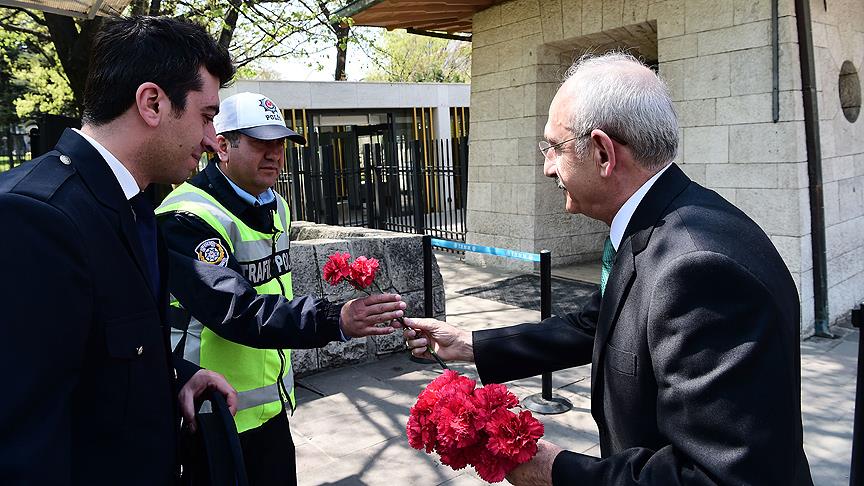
column 200, row 382
column 360, row 316
column 448, row 342
column 537, row 471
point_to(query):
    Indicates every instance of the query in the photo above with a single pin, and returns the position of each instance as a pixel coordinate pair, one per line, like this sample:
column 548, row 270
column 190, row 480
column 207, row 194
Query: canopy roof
column 72, row 8
column 437, row 15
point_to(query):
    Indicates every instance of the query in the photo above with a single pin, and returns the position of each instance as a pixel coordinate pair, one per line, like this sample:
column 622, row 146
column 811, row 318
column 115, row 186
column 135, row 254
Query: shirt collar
column 124, row 177
column 622, row 217
column 263, row 198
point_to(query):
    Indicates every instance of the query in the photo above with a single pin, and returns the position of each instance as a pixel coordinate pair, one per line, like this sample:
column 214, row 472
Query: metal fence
column 408, row 187
column 14, row 147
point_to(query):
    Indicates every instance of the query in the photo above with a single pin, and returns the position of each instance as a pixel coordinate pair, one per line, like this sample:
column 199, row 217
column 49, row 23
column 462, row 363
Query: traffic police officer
column 227, row 233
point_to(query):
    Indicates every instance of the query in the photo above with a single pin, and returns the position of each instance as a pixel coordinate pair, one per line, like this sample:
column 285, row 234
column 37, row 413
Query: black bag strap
column 222, row 443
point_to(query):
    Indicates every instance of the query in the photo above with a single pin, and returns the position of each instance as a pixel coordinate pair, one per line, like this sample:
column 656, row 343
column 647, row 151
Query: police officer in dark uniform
column 91, row 392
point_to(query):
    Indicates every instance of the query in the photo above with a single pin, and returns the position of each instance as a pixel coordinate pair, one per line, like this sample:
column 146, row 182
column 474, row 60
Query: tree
column 252, row 30
column 419, row 59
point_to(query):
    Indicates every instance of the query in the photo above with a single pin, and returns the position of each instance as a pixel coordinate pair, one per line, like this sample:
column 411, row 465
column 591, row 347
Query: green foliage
column 47, row 91
column 30, row 83
column 404, row 57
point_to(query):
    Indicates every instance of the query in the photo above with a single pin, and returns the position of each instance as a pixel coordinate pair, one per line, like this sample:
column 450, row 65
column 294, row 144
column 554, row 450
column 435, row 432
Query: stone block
column 670, row 17
column 512, row 54
column 832, row 203
column 789, row 248
column 525, row 194
column 843, row 237
column 484, row 60
column 776, row 211
column 405, row 257
column 849, row 194
column 502, row 199
column 755, row 108
column 487, row 19
column 741, row 175
column 792, row 175
column 516, row 10
column 552, row 20
column 635, row 11
column 752, row 68
column 336, row 354
column 767, row 142
column 490, row 81
column 484, row 106
column 695, row 172
column 304, row 361
column 706, row 145
column 707, row 77
column 728, row 194
column 696, row 113
column 739, row 37
column 672, row 73
column 489, row 130
column 702, row 15
column 511, row 102
column 479, row 196
column 592, row 16
column 679, row 47
column 745, row 11
column 527, row 27
column 571, row 18
column 305, row 273
column 613, row 14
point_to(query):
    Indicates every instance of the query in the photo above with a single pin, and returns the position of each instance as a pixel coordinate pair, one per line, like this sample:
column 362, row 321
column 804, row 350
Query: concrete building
column 717, row 57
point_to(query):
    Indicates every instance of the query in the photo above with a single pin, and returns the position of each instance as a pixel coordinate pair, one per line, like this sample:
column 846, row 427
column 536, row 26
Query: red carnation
column 336, row 269
column 363, row 271
column 513, row 436
column 493, row 468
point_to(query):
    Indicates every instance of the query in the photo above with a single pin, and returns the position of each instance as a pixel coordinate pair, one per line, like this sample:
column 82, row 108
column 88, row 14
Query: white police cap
column 254, row 115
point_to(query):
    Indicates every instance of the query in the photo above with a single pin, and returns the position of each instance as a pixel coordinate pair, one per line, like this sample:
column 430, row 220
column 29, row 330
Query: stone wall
column 401, row 271
column 838, row 36
column 716, row 57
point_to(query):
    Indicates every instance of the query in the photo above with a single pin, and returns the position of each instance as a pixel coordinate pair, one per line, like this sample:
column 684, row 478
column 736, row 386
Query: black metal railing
column 13, row 147
column 405, row 186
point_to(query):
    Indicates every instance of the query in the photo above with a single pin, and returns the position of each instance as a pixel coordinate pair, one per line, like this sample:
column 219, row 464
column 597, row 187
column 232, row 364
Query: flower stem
column 428, row 347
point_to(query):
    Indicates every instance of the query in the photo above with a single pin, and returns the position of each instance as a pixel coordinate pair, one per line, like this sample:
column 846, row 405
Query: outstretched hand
column 361, row 316
column 448, row 342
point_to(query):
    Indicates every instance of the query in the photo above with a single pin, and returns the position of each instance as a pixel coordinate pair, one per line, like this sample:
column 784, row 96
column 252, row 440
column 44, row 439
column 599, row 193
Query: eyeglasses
column 545, row 146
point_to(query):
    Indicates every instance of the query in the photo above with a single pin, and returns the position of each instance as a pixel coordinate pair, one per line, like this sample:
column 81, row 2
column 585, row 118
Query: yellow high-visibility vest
column 254, row 373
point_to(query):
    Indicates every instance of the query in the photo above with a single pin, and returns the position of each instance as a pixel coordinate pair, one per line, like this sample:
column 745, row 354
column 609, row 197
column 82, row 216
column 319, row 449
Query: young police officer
column 227, row 233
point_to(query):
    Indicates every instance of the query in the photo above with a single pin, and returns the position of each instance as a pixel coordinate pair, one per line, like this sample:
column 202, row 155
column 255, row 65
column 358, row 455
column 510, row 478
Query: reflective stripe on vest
column 254, row 373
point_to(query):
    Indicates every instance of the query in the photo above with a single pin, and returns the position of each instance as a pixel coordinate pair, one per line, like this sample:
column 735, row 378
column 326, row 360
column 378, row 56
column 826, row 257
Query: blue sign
column 455, row 245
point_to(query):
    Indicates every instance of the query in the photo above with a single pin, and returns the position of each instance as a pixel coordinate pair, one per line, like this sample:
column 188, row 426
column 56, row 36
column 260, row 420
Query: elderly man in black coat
column 694, row 334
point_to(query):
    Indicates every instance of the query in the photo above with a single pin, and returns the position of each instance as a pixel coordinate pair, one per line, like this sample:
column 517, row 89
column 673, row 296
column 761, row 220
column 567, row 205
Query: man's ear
column 222, row 144
column 152, row 103
column 604, row 153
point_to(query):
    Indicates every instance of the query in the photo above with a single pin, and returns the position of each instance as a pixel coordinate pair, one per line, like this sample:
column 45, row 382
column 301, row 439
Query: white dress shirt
column 124, row 177
column 622, row 217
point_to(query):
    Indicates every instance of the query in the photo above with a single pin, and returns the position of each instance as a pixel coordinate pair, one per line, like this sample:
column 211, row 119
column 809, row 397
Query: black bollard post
column 856, row 476
column 546, row 403
column 428, row 300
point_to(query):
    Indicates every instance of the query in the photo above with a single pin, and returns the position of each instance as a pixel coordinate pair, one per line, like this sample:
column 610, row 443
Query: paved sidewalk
column 355, row 434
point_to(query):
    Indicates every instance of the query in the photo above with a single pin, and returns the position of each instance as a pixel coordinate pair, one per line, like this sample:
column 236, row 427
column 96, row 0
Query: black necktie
column 145, row 221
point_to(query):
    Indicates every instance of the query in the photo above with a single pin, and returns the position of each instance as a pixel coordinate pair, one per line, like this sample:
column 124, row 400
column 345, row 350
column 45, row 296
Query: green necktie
column 608, row 260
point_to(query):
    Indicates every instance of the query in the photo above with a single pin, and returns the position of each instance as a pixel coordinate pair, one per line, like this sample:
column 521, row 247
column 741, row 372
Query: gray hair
column 634, row 108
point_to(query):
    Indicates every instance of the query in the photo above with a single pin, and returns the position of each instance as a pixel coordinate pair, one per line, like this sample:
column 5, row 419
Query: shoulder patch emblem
column 211, row 251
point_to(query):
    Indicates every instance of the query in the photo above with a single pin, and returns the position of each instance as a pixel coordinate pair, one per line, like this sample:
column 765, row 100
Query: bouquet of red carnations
column 467, row 425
